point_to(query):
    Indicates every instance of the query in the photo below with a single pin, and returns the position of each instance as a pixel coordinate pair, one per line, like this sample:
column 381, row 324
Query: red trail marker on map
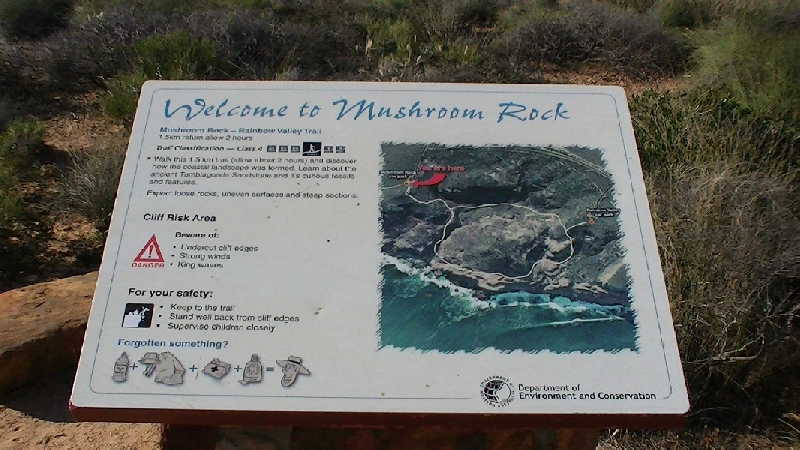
column 432, row 181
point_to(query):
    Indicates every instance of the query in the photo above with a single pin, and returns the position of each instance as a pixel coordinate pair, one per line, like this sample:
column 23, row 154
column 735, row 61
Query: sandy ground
column 36, row 417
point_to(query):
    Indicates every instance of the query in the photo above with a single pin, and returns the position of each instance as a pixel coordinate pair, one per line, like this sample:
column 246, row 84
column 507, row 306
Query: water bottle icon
column 252, row 371
column 121, row 368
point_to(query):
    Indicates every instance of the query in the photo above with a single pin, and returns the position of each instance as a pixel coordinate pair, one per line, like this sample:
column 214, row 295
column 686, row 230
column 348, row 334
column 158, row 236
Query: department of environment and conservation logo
column 497, row 391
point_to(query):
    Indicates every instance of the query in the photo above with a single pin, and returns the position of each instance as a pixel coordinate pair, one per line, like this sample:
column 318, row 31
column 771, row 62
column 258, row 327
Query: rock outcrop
column 42, row 328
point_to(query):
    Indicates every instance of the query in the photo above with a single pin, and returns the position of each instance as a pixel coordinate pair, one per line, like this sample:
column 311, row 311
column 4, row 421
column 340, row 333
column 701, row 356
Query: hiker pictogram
column 150, row 252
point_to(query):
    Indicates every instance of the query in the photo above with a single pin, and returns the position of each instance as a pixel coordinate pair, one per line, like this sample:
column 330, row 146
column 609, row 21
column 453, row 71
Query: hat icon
column 292, row 366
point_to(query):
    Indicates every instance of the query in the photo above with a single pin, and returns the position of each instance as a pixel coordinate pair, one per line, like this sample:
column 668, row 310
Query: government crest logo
column 497, row 391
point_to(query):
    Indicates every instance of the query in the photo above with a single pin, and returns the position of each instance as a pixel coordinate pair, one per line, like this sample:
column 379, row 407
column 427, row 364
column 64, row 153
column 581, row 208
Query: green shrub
column 475, row 12
column 89, row 185
column 23, row 233
column 262, row 47
column 11, row 79
column 686, row 13
column 171, row 56
column 772, row 15
column 462, row 54
column 238, row 44
column 21, row 147
column 129, row 40
column 93, row 7
column 123, row 96
column 34, row 18
column 23, row 241
column 759, row 68
column 103, row 45
column 175, row 56
column 640, row 6
column 706, row 127
column 232, row 44
column 395, row 38
column 7, row 111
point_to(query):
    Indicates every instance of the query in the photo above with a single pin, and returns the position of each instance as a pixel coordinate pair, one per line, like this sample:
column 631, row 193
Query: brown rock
column 42, row 328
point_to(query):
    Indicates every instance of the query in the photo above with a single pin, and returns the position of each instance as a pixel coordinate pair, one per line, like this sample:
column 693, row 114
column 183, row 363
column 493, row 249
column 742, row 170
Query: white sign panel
column 380, row 248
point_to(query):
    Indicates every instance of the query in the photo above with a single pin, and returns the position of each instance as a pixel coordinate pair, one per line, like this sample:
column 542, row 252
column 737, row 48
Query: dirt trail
column 37, row 417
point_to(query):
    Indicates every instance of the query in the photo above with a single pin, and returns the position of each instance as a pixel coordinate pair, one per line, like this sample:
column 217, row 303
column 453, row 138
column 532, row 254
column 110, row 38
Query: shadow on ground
column 47, row 399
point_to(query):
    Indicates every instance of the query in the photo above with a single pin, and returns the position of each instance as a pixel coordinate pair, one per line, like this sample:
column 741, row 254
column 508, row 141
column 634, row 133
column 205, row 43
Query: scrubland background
column 714, row 90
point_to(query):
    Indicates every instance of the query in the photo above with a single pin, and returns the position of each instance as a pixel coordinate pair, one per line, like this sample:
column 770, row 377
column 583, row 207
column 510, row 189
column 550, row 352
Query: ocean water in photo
column 427, row 313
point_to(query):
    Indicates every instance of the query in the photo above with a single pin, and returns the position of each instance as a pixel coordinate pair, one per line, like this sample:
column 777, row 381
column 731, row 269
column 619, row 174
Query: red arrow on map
column 433, row 180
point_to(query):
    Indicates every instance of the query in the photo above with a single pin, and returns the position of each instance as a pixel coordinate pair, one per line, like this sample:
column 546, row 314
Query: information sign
column 391, row 253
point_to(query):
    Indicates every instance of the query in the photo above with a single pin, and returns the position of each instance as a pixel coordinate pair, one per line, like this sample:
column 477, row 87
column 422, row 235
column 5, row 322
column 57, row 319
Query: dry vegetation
column 720, row 156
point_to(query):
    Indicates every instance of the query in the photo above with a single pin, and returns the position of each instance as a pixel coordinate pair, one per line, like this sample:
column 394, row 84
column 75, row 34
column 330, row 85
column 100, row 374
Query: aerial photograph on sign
column 515, row 248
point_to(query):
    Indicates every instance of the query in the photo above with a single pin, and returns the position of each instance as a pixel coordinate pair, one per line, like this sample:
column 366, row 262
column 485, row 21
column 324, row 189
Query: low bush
column 10, row 76
column 317, row 51
column 171, row 56
column 175, row 56
column 23, row 239
column 122, row 97
column 21, row 147
column 774, row 14
column 758, row 66
column 722, row 181
column 216, row 44
column 640, row 6
column 687, row 13
column 702, row 127
column 396, row 38
column 580, row 32
column 34, row 18
column 359, row 39
column 23, row 232
column 731, row 257
column 89, row 185
column 8, row 111
column 102, row 46
column 255, row 47
column 89, row 8
column 475, row 12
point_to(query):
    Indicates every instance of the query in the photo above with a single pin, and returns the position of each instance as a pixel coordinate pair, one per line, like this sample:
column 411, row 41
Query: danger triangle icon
column 150, row 252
